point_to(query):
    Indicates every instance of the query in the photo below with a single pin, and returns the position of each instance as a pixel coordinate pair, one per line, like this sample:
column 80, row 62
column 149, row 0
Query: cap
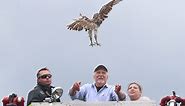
column 100, row 67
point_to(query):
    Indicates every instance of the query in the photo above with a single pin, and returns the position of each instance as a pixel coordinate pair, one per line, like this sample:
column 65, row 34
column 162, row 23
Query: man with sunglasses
column 43, row 88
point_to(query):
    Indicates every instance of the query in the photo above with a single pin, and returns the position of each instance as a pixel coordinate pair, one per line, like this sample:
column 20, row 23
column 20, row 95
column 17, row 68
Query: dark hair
column 38, row 72
column 140, row 88
column 100, row 67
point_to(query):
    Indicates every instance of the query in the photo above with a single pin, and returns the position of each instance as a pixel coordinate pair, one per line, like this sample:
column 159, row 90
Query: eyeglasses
column 46, row 76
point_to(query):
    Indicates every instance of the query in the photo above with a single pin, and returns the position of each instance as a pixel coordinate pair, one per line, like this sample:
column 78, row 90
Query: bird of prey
column 92, row 25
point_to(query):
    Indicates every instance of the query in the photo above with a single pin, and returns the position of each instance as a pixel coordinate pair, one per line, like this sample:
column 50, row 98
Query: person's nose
column 132, row 89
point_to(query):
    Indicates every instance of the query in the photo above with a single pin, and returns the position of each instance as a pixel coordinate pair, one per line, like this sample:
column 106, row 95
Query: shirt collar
column 106, row 85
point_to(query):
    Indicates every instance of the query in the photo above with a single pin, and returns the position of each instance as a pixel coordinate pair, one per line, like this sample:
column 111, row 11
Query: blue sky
column 142, row 40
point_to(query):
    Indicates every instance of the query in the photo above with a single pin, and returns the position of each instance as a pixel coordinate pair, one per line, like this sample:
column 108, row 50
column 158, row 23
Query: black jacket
column 39, row 93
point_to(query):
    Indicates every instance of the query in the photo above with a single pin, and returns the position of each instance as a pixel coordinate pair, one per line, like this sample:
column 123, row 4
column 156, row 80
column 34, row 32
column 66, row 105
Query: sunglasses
column 46, row 76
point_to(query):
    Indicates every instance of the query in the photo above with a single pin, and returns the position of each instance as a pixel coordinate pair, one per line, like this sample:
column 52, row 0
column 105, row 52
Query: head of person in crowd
column 43, row 90
column 100, row 75
column 44, row 77
column 134, row 91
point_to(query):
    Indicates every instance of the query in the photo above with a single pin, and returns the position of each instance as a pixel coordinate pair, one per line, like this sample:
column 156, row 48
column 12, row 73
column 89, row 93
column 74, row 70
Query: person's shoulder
column 35, row 89
column 32, row 91
column 88, row 85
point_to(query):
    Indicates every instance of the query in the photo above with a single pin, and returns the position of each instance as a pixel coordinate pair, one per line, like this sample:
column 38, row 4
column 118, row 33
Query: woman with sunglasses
column 43, row 88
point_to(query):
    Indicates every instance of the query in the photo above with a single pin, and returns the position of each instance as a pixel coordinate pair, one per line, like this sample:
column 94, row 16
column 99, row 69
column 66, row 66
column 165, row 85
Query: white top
column 144, row 98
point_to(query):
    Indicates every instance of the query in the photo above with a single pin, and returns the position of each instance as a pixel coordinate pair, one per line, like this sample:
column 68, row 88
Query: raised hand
column 76, row 86
column 117, row 88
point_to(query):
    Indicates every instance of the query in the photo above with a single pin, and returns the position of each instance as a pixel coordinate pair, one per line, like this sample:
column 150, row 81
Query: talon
column 98, row 44
column 92, row 44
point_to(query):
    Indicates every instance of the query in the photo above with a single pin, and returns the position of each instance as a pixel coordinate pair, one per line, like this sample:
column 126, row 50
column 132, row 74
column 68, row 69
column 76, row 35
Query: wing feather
column 103, row 13
column 81, row 24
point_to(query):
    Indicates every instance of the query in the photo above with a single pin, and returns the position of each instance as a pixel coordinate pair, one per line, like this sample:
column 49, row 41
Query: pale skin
column 44, row 81
column 134, row 92
column 100, row 77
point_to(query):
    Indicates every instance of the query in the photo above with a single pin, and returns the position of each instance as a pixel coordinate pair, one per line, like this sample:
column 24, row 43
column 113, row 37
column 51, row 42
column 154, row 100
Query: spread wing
column 98, row 18
column 81, row 23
